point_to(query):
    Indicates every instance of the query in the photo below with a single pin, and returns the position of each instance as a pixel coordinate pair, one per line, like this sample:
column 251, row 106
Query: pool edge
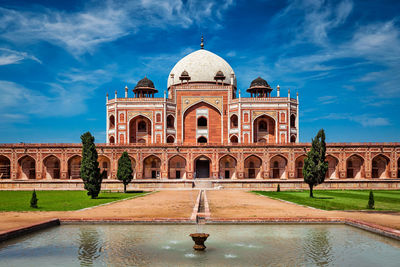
column 21, row 231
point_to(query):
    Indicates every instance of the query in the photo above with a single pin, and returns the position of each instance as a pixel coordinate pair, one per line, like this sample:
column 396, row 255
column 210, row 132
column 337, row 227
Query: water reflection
column 317, row 247
column 90, row 246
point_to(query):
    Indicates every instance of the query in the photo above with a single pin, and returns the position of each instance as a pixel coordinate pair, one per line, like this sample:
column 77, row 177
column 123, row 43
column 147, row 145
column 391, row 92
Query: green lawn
column 56, row 200
column 340, row 199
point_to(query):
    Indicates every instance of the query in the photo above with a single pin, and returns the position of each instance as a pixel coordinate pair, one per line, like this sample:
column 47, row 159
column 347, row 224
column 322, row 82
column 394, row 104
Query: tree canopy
column 124, row 172
column 315, row 167
column 90, row 171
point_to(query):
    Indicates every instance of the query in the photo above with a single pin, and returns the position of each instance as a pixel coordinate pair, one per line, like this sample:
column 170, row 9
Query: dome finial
column 202, row 42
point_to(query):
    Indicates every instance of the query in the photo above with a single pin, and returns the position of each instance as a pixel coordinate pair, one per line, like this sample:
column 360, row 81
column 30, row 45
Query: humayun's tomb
column 202, row 133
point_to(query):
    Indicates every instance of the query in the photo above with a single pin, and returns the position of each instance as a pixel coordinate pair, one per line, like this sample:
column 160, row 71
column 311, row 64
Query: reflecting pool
column 228, row 245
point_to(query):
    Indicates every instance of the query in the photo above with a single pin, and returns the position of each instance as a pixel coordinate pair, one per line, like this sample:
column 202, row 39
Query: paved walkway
column 229, row 204
column 160, row 205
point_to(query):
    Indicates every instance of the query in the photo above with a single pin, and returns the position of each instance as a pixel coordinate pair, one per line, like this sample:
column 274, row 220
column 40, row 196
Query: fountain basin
column 230, row 245
column 199, row 239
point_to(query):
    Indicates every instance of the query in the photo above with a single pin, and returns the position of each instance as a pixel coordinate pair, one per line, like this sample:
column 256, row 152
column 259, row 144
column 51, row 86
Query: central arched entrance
column 202, row 165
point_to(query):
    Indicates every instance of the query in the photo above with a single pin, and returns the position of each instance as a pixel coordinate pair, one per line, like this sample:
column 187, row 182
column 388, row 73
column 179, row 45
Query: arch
column 202, row 140
column 333, row 164
column 177, row 167
column 112, row 140
column 27, row 167
column 74, row 167
column 227, row 167
column 105, row 165
column 264, row 128
column 190, row 131
column 234, row 139
column 398, row 168
column 140, row 128
column 278, row 165
column 234, row 121
column 5, row 167
column 51, row 167
column 293, row 121
column 202, row 167
column 111, row 122
column 201, row 122
column 133, row 165
column 380, row 166
column 151, row 167
column 299, row 163
column 355, row 166
column 252, row 167
column 158, row 117
column 170, row 139
column 170, row 121
column 293, row 139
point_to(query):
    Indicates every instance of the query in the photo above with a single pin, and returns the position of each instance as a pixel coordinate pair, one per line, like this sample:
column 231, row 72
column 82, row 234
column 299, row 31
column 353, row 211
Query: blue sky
column 58, row 59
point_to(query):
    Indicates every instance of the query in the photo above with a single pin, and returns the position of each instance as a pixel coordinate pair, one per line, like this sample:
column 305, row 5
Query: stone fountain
column 199, row 239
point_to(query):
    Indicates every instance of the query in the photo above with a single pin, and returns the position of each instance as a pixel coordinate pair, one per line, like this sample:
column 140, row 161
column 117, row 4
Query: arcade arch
column 380, row 166
column 278, row 165
column 355, row 166
column 74, row 167
column 252, row 167
column 27, row 167
column 5, row 167
column 151, row 167
column 105, row 165
column 51, row 167
column 202, row 167
column 227, row 167
column 333, row 164
column 177, row 167
column 299, row 163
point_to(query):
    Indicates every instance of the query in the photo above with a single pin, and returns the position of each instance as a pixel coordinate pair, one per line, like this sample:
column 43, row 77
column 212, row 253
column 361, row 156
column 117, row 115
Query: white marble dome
column 202, row 66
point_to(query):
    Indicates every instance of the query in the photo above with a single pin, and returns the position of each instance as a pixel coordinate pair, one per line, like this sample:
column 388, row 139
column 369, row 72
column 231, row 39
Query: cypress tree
column 90, row 171
column 34, row 200
column 371, row 201
column 315, row 167
column 124, row 172
column 278, row 189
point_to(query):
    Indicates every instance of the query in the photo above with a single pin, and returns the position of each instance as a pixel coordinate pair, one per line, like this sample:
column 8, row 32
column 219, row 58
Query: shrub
column 371, row 201
column 34, row 200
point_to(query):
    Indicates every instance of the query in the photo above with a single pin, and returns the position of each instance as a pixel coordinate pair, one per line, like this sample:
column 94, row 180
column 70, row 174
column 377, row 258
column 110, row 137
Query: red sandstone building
column 203, row 129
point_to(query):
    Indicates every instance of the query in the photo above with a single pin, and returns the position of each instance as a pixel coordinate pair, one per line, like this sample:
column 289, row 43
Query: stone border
column 128, row 221
column 370, row 227
column 21, row 231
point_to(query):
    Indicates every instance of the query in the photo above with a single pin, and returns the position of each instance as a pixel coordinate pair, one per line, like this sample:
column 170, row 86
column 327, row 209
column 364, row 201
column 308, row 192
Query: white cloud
column 103, row 22
column 8, row 56
column 366, row 120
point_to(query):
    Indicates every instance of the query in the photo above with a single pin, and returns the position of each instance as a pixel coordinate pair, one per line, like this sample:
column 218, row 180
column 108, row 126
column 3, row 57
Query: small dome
column 145, row 83
column 185, row 73
column 259, row 82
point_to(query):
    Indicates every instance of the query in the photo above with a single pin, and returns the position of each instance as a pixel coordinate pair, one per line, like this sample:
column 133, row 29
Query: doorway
column 202, row 167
